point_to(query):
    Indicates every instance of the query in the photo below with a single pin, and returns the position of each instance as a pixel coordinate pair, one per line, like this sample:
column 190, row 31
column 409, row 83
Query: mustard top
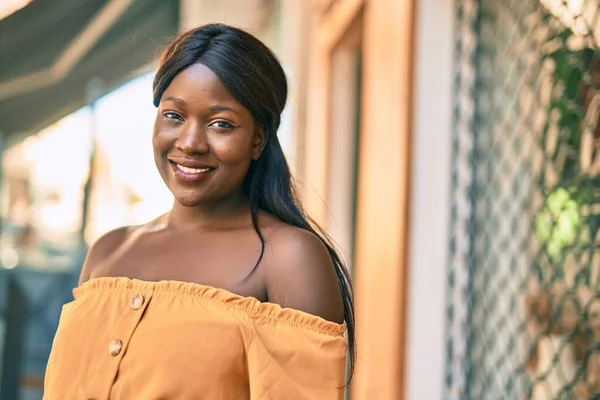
column 125, row 339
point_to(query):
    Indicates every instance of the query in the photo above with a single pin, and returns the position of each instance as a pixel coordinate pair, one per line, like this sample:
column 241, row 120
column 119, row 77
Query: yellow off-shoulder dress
column 127, row 339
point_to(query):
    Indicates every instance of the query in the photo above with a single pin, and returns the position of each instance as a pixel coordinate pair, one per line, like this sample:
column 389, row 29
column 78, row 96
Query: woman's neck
column 224, row 214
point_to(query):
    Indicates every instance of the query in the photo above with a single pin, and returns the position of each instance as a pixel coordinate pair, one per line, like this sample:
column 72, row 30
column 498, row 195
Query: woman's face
column 204, row 140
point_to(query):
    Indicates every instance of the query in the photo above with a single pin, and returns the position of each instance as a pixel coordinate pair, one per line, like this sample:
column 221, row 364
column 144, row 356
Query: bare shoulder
column 101, row 249
column 300, row 273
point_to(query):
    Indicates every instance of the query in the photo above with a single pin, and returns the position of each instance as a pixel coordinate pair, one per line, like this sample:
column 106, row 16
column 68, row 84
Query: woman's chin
column 187, row 200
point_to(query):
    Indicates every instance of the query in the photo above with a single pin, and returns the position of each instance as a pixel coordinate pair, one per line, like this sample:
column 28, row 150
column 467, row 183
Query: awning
column 52, row 49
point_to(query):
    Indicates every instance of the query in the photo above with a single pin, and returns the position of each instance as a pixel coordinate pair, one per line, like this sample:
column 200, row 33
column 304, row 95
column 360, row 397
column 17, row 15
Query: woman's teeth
column 191, row 170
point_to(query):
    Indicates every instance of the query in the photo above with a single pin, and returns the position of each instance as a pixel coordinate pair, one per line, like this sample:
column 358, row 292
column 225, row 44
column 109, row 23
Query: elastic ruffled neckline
column 249, row 305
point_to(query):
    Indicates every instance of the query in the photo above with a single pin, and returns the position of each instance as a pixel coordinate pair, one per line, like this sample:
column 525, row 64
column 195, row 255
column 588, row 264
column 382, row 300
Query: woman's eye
column 172, row 116
column 222, row 125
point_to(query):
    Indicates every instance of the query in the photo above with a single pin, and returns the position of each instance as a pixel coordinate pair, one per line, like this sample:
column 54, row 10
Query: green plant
column 561, row 225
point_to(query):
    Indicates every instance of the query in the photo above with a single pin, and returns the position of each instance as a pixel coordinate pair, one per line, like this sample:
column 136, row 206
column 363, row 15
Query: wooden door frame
column 330, row 21
column 383, row 178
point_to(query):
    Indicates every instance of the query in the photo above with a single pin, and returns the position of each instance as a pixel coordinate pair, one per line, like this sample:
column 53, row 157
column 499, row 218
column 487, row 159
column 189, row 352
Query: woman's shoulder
column 276, row 229
column 285, row 241
column 110, row 240
column 101, row 249
column 108, row 244
column 300, row 273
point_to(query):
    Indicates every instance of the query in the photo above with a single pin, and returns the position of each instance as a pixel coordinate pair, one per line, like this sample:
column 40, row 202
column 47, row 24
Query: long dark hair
column 255, row 78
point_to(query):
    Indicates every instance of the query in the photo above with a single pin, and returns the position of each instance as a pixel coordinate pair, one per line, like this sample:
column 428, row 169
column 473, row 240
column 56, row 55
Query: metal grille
column 524, row 296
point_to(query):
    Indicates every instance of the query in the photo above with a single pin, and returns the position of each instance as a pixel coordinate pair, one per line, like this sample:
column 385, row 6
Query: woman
column 232, row 294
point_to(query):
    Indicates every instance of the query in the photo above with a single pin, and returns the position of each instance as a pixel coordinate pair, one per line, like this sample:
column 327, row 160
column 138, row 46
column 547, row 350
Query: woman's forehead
column 197, row 82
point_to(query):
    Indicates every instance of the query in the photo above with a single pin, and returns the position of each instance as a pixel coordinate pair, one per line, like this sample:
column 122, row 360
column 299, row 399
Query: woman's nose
column 192, row 139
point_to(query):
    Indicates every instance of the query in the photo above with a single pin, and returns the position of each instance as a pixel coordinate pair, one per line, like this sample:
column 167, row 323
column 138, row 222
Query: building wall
column 430, row 199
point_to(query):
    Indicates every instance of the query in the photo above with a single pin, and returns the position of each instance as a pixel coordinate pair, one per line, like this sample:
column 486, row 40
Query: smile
column 191, row 171
column 189, row 175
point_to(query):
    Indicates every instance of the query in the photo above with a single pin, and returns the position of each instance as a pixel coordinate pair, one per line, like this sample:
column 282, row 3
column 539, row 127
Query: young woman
column 232, row 294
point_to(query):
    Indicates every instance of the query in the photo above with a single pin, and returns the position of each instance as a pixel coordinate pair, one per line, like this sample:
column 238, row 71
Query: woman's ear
column 258, row 142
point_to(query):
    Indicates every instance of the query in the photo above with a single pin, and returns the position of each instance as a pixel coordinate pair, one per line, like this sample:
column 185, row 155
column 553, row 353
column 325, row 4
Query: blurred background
column 451, row 148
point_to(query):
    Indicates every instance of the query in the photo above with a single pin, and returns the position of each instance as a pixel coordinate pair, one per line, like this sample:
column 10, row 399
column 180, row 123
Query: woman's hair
column 255, row 78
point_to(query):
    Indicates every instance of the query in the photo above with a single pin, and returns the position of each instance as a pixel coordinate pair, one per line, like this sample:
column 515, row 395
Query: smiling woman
column 242, row 295
column 204, row 140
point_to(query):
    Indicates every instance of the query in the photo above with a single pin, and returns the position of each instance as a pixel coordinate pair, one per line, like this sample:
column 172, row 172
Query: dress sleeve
column 295, row 361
